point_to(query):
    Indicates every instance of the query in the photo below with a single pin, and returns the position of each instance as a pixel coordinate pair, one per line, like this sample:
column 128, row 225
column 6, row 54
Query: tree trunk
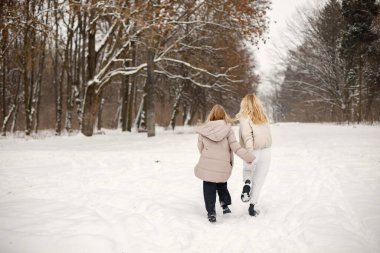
column 27, row 63
column 131, row 102
column 372, row 94
column 132, row 94
column 101, row 106
column 186, row 114
column 4, row 80
column 75, row 93
column 176, row 107
column 33, row 45
column 3, row 62
column 80, row 93
column 140, row 115
column 56, row 82
column 38, row 89
column 13, row 126
column 41, row 69
column 125, row 101
column 91, row 99
column 117, row 118
column 360, row 78
column 90, row 110
column 13, row 109
column 174, row 114
column 150, row 84
column 68, row 63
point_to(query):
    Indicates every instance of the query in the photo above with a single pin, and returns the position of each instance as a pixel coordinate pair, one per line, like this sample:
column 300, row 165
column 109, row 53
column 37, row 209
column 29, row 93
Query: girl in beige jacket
column 254, row 135
column 216, row 144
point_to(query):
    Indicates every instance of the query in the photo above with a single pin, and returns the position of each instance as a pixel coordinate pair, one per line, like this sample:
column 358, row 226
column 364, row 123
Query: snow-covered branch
column 215, row 75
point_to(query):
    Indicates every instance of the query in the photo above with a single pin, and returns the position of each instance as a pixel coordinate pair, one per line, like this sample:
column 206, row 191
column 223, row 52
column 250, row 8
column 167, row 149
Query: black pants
column 209, row 193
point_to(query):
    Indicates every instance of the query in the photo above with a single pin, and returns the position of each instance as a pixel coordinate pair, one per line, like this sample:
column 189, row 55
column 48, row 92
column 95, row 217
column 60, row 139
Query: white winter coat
column 254, row 136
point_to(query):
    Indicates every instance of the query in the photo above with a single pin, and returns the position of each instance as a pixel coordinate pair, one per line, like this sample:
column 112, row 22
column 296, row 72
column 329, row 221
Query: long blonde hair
column 251, row 107
column 218, row 113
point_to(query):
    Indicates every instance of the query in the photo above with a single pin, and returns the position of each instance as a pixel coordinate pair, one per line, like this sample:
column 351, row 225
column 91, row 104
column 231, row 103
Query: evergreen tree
column 355, row 42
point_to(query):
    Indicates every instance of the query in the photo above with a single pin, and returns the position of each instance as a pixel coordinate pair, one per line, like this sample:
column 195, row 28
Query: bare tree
column 76, row 49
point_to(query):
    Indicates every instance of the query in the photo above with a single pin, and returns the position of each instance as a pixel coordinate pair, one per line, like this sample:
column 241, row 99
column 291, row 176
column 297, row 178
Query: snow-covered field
column 123, row 192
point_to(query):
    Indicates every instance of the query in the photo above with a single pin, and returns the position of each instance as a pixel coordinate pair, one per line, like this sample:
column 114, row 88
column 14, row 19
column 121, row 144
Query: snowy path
column 126, row 193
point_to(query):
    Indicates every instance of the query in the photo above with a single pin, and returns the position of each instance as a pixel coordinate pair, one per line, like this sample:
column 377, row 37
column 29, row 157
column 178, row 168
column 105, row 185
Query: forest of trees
column 86, row 64
column 334, row 75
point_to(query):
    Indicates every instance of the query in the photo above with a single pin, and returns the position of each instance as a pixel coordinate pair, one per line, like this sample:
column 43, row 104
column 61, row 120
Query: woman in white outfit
column 255, row 136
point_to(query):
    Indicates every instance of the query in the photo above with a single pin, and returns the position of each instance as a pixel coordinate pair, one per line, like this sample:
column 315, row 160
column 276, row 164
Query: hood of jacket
column 214, row 130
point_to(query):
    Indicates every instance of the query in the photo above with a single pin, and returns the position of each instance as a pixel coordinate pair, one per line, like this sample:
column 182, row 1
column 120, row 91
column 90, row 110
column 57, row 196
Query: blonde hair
column 251, row 107
column 218, row 113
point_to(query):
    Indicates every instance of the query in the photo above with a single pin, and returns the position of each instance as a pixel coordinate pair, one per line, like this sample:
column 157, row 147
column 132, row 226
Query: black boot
column 211, row 217
column 252, row 211
column 245, row 195
column 226, row 209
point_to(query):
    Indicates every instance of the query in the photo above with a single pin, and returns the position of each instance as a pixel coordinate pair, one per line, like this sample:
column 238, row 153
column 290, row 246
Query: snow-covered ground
column 128, row 193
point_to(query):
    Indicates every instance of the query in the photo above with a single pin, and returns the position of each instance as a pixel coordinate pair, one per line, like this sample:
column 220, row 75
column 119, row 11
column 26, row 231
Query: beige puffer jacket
column 253, row 136
column 216, row 144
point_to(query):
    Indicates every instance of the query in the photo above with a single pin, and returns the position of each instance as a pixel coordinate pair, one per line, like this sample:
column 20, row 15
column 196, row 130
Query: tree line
column 334, row 74
column 84, row 64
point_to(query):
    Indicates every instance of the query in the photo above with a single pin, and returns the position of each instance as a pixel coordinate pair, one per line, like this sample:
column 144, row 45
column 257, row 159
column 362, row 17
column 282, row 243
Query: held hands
column 249, row 159
column 250, row 165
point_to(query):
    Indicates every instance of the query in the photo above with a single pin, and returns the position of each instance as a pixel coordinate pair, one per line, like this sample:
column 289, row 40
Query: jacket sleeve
column 246, row 133
column 243, row 153
column 200, row 143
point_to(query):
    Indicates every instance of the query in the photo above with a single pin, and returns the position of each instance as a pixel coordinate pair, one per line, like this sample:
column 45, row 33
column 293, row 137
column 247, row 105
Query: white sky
column 268, row 55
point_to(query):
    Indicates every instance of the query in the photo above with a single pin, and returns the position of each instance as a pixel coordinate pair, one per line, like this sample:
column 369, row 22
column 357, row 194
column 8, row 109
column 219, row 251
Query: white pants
column 257, row 172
